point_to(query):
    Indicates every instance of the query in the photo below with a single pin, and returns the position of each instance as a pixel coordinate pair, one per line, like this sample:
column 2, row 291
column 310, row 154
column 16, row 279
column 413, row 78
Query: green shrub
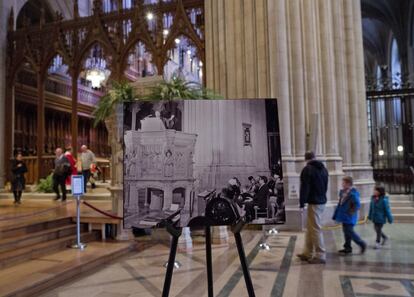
column 45, row 185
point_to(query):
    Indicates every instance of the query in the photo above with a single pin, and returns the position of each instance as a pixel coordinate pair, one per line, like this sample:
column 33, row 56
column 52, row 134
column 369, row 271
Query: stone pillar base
column 185, row 241
column 219, row 235
column 124, row 234
column 363, row 179
column 117, row 195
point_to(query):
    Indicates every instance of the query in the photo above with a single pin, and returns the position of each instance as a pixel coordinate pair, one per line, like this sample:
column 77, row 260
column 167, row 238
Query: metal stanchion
column 273, row 231
column 263, row 245
column 78, row 244
column 77, row 192
column 177, row 264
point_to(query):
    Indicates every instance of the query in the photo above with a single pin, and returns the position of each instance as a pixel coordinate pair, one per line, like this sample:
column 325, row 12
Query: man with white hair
column 88, row 159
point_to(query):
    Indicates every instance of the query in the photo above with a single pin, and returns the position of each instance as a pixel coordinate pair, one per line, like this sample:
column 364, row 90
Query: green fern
column 45, row 185
column 119, row 93
column 176, row 88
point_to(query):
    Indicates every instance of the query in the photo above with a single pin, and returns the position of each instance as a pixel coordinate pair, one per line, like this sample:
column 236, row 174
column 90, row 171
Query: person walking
column 72, row 161
column 313, row 188
column 379, row 214
column 88, row 159
column 61, row 171
column 346, row 213
column 19, row 182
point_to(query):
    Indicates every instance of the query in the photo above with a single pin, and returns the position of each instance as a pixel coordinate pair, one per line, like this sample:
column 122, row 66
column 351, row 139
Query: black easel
column 209, row 263
column 236, row 229
column 175, row 233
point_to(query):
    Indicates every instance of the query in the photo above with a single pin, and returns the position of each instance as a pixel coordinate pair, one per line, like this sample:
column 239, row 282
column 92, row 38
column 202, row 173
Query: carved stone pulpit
column 160, row 160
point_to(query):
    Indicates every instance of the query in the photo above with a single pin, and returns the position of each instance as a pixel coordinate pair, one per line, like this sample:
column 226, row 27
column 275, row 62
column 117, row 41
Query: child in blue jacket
column 379, row 214
column 347, row 213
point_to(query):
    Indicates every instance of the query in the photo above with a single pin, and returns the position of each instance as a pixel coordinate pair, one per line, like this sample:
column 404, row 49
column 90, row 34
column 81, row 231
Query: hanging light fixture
column 96, row 77
column 381, row 153
column 96, row 68
column 150, row 16
column 400, row 148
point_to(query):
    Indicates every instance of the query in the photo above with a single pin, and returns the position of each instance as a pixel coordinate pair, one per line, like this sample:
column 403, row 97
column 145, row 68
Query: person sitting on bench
column 262, row 196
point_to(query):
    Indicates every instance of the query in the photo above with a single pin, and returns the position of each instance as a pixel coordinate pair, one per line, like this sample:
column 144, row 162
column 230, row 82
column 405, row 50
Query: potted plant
column 178, row 88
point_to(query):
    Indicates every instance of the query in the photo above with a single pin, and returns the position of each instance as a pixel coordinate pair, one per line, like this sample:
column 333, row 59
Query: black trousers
column 350, row 235
column 380, row 234
column 59, row 181
column 86, row 175
column 17, row 195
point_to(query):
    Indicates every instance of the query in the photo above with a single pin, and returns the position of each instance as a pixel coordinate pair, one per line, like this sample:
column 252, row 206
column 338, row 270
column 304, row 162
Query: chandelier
column 96, row 70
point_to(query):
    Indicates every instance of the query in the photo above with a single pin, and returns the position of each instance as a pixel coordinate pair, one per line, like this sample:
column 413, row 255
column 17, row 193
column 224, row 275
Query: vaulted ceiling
column 31, row 9
column 383, row 21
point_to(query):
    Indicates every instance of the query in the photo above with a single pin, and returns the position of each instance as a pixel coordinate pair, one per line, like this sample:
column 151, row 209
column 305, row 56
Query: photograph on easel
column 208, row 161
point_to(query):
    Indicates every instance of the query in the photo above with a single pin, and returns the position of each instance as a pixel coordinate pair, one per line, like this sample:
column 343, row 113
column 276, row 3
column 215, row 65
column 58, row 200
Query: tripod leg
column 170, row 266
column 209, row 263
column 243, row 261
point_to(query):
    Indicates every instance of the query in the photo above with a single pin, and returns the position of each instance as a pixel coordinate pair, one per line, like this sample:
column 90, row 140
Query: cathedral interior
column 107, row 86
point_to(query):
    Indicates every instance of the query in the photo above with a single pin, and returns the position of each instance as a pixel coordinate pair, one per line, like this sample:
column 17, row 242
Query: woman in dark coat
column 19, row 181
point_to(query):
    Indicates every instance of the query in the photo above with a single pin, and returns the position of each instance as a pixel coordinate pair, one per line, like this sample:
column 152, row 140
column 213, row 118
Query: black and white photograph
column 211, row 161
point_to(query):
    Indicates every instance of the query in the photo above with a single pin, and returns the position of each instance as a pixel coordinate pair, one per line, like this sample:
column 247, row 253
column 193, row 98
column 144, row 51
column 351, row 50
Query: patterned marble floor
column 388, row 272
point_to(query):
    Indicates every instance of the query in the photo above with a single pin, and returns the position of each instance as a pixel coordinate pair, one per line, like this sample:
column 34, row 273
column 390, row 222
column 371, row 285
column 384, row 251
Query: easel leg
column 209, row 263
column 171, row 260
column 239, row 242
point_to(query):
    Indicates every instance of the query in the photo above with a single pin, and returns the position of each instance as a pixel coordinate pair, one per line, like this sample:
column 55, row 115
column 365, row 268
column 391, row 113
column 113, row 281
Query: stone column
column 312, row 82
column 280, row 88
column 74, row 115
column 361, row 89
column 359, row 166
column 351, row 65
column 134, row 118
column 40, row 122
column 168, row 196
column 3, row 44
column 329, row 99
column 342, row 98
column 296, row 76
column 279, row 72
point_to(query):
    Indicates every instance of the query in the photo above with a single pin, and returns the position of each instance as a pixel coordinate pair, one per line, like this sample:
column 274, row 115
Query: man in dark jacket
column 313, row 188
column 262, row 196
column 61, row 171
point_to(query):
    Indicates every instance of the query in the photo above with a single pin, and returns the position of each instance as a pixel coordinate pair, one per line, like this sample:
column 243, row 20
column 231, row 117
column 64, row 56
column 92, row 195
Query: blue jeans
column 350, row 236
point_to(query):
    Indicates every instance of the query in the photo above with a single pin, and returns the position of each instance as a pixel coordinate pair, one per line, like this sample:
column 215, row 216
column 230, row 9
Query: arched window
column 395, row 62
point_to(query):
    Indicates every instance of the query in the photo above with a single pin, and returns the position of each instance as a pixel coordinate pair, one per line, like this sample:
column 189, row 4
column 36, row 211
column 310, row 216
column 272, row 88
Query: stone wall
column 309, row 55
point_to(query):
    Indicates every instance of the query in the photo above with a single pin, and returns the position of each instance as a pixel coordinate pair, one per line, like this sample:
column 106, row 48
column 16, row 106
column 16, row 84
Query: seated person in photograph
column 253, row 187
column 261, row 198
column 233, row 185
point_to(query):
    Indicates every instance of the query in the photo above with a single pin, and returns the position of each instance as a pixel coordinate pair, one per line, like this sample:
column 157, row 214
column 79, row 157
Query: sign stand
column 176, row 232
column 77, row 192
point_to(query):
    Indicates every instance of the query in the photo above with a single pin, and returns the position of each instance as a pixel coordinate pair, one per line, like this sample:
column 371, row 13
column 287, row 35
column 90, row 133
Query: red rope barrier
column 101, row 211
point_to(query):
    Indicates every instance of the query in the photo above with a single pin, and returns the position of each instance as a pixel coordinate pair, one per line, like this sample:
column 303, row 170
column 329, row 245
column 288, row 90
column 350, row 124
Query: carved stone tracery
column 117, row 32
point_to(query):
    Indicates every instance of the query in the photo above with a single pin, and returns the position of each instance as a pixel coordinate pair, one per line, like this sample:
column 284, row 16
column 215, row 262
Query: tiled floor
column 386, row 272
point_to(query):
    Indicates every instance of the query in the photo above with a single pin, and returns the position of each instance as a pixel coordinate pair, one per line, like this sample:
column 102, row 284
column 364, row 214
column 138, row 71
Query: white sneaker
column 377, row 246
